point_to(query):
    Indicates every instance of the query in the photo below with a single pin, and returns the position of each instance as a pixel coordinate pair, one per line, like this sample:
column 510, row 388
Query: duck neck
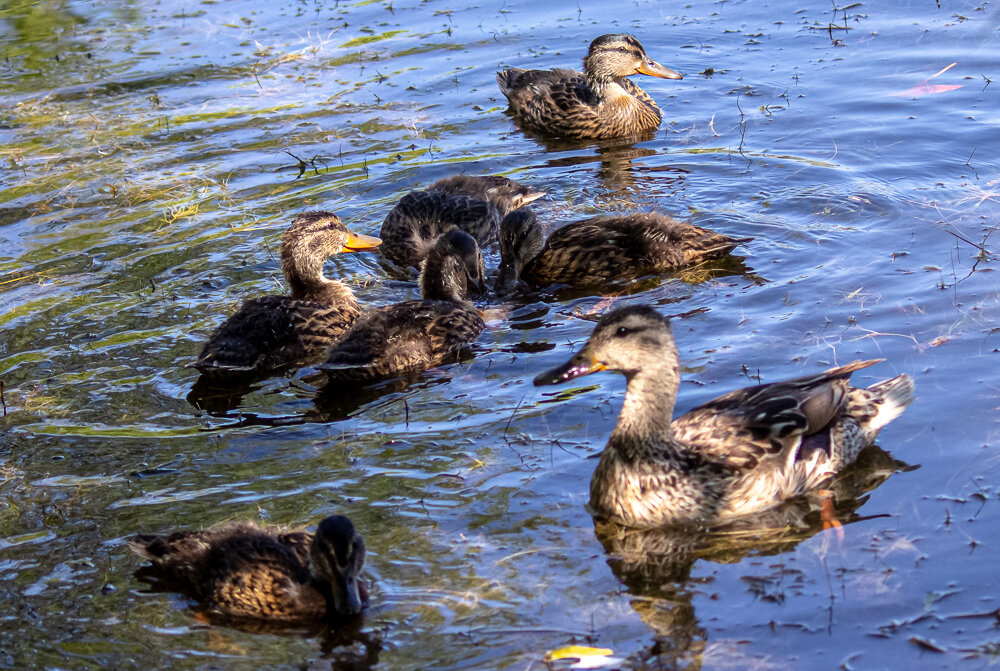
column 647, row 413
column 306, row 282
column 602, row 84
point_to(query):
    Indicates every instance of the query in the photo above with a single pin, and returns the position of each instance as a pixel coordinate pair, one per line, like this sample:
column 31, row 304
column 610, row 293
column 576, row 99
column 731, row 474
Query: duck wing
column 748, row 427
column 552, row 101
column 607, row 248
column 420, row 217
column 403, row 337
column 273, row 331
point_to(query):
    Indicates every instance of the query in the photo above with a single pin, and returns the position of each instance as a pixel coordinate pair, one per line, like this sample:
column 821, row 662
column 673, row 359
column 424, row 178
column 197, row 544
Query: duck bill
column 476, row 285
column 654, row 69
column 581, row 364
column 357, row 242
column 529, row 197
column 507, row 276
column 347, row 595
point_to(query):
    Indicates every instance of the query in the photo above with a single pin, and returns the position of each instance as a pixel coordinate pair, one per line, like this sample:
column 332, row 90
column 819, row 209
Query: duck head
column 521, row 240
column 337, row 555
column 627, row 340
column 453, row 267
column 314, row 237
column 621, row 55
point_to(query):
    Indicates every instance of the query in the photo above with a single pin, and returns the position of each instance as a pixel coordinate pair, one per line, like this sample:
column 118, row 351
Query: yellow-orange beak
column 654, row 69
column 357, row 242
column 581, row 364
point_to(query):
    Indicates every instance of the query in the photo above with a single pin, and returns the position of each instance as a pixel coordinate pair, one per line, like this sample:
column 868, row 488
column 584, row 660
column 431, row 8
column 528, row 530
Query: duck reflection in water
column 655, row 564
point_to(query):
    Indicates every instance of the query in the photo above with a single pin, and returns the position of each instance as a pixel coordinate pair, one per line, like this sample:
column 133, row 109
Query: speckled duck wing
column 271, row 332
column 414, row 224
column 553, row 102
column 609, row 248
column 748, row 426
column 184, row 557
column 256, row 576
column 404, row 337
column 239, row 570
column 787, row 438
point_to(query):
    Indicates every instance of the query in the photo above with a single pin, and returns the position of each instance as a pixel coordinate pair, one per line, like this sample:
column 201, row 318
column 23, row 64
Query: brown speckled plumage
column 272, row 332
column 241, row 569
column 598, row 103
column 415, row 335
column 602, row 249
column 742, row 453
column 474, row 204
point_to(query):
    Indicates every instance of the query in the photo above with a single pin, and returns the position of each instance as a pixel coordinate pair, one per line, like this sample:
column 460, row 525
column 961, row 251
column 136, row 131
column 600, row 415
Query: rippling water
column 152, row 153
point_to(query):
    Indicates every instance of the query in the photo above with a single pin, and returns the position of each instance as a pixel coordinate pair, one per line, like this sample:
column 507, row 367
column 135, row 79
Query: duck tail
column 145, row 546
column 892, row 397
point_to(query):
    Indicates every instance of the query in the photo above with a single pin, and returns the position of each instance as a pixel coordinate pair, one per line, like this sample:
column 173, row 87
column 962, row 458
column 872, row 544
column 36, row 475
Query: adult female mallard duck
column 601, row 249
column 599, row 103
column 474, row 204
column 742, row 453
column 273, row 332
column 415, row 335
column 241, row 569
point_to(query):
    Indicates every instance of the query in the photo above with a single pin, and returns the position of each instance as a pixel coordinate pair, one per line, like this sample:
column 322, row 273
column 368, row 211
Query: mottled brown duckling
column 742, row 453
column 599, row 103
column 474, row 204
column 601, row 249
column 244, row 570
column 415, row 335
column 273, row 332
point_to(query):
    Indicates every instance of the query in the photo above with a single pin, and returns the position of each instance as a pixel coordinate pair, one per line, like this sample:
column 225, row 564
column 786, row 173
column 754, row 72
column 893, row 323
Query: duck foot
column 828, row 514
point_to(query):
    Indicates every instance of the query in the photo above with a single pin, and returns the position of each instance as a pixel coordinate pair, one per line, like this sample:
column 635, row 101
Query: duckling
column 599, row 103
column 601, row 249
column 475, row 204
column 418, row 334
column 272, row 332
column 739, row 454
column 241, row 569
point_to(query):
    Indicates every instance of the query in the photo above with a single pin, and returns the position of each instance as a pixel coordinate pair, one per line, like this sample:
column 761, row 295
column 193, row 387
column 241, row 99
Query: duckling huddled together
column 744, row 452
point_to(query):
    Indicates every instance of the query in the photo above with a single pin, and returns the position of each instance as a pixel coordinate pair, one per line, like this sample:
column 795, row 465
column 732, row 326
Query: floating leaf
column 586, row 657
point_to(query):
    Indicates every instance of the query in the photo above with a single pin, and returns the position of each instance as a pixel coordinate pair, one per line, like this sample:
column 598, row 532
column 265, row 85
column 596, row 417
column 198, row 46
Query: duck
column 244, row 570
column 414, row 335
column 474, row 203
column 742, row 453
column 601, row 249
column 598, row 103
column 269, row 333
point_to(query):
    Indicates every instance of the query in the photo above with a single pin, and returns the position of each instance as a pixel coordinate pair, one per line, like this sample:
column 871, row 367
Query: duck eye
column 621, row 49
column 622, row 330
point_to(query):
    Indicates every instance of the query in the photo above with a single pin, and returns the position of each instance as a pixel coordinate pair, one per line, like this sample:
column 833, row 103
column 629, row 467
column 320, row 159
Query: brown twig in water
column 511, row 418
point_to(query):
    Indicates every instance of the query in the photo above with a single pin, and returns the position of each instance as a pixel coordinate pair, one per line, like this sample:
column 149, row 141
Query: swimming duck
column 418, row 334
column 272, row 332
column 475, row 204
column 601, row 249
column 599, row 103
column 741, row 453
column 245, row 570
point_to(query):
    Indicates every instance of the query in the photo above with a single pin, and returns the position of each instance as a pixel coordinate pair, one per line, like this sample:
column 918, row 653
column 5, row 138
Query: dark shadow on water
column 655, row 564
column 218, row 396
column 713, row 269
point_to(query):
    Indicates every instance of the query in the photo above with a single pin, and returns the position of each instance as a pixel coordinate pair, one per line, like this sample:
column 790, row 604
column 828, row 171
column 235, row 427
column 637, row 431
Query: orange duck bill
column 654, row 69
column 582, row 363
column 357, row 242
